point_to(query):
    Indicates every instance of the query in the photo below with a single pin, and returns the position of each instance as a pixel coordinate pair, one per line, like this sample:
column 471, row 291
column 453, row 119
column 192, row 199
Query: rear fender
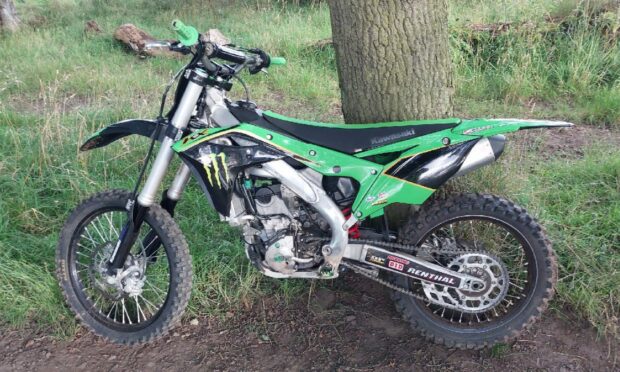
column 116, row 131
column 491, row 127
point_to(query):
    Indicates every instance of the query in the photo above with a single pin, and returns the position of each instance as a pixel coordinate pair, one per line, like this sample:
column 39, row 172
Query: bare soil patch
column 349, row 326
column 565, row 142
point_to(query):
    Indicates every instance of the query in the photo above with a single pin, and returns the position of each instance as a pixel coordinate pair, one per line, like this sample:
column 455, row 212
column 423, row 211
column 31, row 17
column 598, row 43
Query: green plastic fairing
column 378, row 189
column 490, row 127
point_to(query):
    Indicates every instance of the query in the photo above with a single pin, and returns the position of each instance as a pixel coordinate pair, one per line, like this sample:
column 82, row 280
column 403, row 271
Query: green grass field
column 57, row 85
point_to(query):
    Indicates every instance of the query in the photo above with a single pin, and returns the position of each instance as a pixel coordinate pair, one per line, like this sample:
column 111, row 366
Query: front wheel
column 148, row 296
column 488, row 237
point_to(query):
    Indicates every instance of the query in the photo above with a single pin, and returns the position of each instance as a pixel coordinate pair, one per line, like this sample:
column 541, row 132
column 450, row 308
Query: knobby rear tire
column 179, row 261
column 437, row 212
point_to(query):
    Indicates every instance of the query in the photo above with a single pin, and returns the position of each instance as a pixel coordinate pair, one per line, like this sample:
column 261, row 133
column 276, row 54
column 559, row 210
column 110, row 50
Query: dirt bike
column 467, row 271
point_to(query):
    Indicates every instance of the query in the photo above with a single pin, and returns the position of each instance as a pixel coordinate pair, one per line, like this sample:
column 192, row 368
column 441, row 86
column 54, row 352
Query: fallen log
column 137, row 40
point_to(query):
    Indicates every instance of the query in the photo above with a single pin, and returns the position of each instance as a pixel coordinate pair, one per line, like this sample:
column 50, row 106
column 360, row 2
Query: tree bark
column 393, row 59
column 8, row 16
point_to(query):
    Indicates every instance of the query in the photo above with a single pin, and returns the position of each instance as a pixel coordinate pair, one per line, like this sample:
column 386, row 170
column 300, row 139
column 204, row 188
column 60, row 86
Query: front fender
column 116, row 131
column 491, row 127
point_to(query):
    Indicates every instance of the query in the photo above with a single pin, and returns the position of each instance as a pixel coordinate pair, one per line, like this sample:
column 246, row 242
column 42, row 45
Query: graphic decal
column 410, row 268
column 212, row 165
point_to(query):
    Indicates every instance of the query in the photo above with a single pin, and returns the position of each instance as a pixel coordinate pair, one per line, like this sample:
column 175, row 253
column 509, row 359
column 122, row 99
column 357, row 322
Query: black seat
column 352, row 139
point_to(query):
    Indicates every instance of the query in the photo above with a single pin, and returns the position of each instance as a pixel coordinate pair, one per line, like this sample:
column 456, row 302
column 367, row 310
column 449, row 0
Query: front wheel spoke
column 82, row 264
column 103, row 239
column 99, row 297
column 84, row 247
column 82, row 270
column 89, row 237
column 125, row 312
column 149, row 304
column 139, row 309
column 113, row 230
column 150, row 242
column 83, row 254
column 111, row 309
column 155, row 289
column 102, row 223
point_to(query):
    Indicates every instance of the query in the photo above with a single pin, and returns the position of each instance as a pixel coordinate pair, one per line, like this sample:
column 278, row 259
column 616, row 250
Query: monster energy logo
column 213, row 164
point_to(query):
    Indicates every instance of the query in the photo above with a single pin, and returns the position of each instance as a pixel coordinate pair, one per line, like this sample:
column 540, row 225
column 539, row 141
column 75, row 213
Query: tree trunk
column 8, row 16
column 393, row 59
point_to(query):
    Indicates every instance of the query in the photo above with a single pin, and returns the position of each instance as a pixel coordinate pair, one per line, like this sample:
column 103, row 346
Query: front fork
column 147, row 197
column 169, row 199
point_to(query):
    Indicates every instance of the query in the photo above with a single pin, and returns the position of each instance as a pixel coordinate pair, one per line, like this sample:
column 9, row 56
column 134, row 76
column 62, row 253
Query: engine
column 286, row 234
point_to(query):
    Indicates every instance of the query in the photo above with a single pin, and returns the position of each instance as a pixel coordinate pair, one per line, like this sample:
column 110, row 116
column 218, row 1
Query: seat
column 353, row 138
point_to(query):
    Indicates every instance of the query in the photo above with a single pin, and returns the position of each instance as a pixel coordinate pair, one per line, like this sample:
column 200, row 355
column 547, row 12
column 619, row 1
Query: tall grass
column 554, row 53
column 58, row 85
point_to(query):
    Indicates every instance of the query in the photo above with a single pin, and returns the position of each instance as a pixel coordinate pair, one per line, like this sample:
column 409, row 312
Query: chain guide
column 409, row 249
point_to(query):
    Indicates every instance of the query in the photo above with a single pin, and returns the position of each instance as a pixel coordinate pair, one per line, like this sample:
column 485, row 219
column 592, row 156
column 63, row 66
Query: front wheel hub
column 133, row 283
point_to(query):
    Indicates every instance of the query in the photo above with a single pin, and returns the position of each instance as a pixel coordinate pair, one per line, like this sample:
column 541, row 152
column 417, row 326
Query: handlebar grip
column 188, row 35
column 278, row 61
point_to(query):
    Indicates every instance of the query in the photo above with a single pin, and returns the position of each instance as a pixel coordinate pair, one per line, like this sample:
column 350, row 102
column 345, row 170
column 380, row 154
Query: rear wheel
column 493, row 239
column 148, row 296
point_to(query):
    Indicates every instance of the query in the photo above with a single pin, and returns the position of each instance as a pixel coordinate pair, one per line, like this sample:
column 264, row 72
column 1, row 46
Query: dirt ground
column 564, row 142
column 350, row 326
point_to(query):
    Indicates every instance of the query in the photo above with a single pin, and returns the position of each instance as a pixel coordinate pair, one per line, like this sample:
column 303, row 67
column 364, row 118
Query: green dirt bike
column 468, row 271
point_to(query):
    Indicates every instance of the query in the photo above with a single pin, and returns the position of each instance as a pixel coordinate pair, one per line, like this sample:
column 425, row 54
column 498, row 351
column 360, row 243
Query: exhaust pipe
column 484, row 152
column 432, row 169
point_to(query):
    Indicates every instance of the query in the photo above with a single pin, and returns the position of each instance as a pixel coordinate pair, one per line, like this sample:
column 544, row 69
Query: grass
column 580, row 205
column 58, row 85
column 558, row 53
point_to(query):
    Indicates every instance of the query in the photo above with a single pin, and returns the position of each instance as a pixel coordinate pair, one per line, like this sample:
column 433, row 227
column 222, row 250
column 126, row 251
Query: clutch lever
column 167, row 45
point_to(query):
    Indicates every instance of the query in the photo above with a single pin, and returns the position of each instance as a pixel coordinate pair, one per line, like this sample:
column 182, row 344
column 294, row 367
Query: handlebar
column 213, row 50
column 254, row 59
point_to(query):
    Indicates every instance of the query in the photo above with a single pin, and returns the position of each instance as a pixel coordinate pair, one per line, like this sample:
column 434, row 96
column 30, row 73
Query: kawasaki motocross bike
column 309, row 199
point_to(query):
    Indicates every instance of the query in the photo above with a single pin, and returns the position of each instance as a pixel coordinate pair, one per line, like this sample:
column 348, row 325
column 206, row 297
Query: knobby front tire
column 142, row 317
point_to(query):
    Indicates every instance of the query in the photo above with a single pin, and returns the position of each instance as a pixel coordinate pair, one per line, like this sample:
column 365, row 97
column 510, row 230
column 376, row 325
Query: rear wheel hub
column 478, row 298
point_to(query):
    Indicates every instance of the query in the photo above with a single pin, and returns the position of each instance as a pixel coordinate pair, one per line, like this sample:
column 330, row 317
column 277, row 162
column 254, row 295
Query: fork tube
column 180, row 119
column 179, row 183
column 147, row 197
